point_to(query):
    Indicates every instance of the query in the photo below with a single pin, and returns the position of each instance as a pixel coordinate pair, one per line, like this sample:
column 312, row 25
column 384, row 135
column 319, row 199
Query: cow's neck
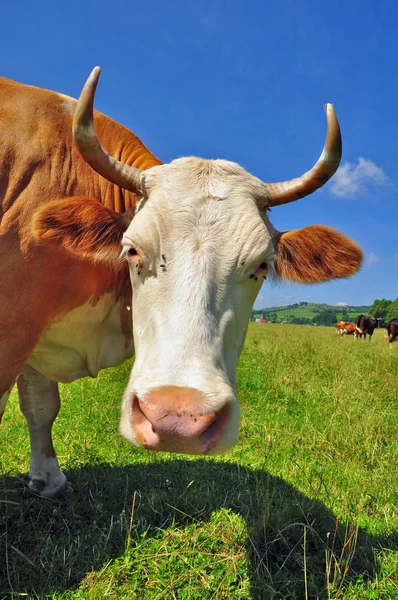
column 124, row 145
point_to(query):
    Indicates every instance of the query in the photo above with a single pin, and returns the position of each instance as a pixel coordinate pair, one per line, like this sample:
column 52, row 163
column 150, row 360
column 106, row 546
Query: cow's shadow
column 50, row 547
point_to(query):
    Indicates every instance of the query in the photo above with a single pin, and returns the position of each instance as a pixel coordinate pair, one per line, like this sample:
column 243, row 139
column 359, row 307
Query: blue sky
column 247, row 81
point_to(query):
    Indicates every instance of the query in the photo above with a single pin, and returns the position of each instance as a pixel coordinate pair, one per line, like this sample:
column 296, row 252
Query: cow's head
column 198, row 249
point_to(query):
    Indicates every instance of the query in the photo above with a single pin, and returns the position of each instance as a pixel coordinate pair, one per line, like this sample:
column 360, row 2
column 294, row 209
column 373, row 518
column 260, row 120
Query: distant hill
column 309, row 313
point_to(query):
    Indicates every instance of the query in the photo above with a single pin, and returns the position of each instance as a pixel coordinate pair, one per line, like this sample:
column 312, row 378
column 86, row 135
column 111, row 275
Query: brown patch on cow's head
column 315, row 254
column 83, row 226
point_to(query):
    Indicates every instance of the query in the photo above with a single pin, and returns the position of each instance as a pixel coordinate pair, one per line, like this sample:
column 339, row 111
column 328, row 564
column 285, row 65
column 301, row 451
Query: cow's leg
column 392, row 338
column 39, row 401
column 3, row 402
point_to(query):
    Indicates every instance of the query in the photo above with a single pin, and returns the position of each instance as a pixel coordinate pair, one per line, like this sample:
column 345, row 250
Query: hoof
column 53, row 490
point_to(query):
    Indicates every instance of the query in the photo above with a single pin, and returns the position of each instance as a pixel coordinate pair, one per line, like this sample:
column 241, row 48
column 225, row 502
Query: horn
column 321, row 172
column 85, row 138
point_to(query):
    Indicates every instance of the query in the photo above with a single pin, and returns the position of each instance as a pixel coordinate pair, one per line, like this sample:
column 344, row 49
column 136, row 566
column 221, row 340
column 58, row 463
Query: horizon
column 339, row 306
column 244, row 82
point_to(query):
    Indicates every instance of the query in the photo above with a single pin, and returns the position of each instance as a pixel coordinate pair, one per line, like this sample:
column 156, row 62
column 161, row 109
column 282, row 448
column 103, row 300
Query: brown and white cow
column 345, row 327
column 365, row 326
column 196, row 244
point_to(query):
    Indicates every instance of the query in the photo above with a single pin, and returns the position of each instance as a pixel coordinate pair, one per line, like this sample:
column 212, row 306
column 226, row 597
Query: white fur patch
column 202, row 235
column 86, row 340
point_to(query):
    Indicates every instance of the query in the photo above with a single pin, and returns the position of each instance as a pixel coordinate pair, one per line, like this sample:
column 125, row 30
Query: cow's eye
column 265, row 265
column 134, row 256
column 263, row 268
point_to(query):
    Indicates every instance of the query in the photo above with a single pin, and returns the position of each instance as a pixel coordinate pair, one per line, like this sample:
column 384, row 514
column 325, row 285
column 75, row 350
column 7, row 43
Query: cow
column 392, row 331
column 106, row 253
column 365, row 325
column 345, row 327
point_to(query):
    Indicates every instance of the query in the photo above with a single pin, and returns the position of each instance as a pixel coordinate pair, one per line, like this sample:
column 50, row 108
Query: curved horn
column 321, row 172
column 89, row 147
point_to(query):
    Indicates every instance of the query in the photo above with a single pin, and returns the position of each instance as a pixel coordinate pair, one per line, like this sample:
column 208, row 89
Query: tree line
column 320, row 317
column 385, row 310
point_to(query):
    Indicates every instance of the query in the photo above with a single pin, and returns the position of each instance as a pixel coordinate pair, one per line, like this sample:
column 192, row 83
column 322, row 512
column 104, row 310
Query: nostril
column 216, row 428
column 153, row 429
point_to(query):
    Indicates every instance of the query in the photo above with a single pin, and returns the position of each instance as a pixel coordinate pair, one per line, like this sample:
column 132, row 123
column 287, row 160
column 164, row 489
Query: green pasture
column 298, row 311
column 309, row 311
column 305, row 506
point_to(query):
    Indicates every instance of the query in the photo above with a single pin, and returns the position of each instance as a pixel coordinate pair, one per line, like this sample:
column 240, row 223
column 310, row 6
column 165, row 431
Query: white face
column 198, row 250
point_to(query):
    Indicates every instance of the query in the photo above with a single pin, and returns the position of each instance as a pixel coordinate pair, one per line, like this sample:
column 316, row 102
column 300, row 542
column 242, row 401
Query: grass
column 305, row 506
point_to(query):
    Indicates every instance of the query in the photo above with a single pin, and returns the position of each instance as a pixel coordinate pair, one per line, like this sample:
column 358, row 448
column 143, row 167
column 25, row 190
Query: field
column 305, row 506
column 310, row 310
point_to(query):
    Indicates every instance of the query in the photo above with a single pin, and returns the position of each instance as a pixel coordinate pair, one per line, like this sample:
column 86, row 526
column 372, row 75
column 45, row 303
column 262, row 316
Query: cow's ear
column 315, row 254
column 83, row 226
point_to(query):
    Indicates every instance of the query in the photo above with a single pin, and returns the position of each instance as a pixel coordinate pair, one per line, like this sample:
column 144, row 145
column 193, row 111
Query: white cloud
column 271, row 299
column 284, row 298
column 351, row 179
column 342, row 304
column 372, row 259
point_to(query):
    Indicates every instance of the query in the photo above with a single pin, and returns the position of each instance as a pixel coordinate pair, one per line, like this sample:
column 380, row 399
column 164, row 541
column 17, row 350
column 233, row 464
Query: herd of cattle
column 364, row 326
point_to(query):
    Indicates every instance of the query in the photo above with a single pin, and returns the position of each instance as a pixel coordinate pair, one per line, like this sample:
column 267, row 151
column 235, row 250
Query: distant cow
column 343, row 327
column 365, row 325
column 392, row 331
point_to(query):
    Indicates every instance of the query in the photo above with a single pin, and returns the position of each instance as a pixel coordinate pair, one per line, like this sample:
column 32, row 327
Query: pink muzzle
column 172, row 419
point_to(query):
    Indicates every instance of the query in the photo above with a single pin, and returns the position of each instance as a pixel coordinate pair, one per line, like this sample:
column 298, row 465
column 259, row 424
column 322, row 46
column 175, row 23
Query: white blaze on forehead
column 190, row 318
column 213, row 199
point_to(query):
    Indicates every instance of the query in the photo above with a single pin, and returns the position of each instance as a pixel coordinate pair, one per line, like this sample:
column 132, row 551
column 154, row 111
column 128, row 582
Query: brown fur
column 82, row 226
column 345, row 327
column 315, row 254
column 39, row 164
column 392, row 330
column 365, row 325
